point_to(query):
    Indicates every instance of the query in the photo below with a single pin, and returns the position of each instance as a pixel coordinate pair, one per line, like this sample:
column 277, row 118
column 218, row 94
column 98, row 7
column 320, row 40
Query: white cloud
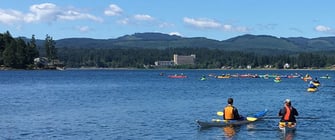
column 74, row 15
column 10, row 16
column 45, row 12
column 136, row 19
column 143, row 17
column 212, row 24
column 227, row 27
column 113, row 10
column 42, row 12
column 231, row 28
column 202, row 23
column 325, row 29
column 322, row 28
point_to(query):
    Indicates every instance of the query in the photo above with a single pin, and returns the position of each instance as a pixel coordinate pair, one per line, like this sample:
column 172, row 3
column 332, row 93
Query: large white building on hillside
column 177, row 60
column 184, row 59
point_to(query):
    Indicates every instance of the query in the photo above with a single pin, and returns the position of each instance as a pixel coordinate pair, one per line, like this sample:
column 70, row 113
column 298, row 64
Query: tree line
column 19, row 53
column 205, row 58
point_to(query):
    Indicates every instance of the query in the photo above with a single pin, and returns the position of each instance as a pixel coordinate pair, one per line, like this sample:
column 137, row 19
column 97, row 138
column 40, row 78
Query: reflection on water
column 230, row 131
column 289, row 135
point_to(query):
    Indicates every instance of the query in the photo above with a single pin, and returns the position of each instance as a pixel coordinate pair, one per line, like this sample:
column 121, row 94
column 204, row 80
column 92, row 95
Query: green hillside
column 260, row 43
column 263, row 44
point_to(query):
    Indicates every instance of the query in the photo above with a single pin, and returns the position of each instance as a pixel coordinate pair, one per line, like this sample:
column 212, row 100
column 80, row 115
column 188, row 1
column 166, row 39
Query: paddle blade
column 219, row 113
column 252, row 119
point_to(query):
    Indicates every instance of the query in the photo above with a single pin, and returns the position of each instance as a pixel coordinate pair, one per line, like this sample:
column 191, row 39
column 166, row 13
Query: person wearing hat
column 288, row 112
column 230, row 112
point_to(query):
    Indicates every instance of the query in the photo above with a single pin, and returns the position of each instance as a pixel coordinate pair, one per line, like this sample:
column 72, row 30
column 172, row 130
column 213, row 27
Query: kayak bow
column 287, row 126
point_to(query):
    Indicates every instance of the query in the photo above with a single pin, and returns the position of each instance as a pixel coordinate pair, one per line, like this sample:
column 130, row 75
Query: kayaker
column 288, row 112
column 311, row 84
column 203, row 77
column 230, row 112
column 316, row 80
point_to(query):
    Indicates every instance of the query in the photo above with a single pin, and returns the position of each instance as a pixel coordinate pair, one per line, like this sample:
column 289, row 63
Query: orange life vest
column 229, row 112
column 287, row 114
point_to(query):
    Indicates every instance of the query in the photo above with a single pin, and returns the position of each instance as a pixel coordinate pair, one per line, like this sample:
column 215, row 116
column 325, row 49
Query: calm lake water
column 141, row 104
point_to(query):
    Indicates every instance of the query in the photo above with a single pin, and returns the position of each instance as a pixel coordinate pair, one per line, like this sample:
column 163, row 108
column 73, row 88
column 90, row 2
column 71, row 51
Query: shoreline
column 170, row 69
column 97, row 68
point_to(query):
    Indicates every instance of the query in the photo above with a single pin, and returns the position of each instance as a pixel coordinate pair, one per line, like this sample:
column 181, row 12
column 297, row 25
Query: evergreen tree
column 9, row 55
column 2, row 48
column 20, row 54
column 51, row 52
column 5, row 39
column 32, row 51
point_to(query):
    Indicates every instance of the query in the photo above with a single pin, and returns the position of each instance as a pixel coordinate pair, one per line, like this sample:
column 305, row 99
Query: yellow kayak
column 287, row 126
column 312, row 89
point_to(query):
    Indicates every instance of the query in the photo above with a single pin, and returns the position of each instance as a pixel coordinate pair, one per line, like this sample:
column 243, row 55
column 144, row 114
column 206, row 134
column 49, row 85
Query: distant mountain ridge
column 246, row 43
column 149, row 36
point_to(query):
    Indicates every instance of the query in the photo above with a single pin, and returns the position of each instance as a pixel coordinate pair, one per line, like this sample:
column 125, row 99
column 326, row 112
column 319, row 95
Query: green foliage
column 142, row 50
column 50, row 48
column 9, row 57
column 145, row 48
column 205, row 58
column 32, row 51
column 16, row 53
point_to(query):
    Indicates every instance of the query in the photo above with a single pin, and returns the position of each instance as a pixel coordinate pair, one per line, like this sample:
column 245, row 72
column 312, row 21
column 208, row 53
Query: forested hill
column 141, row 50
column 246, row 43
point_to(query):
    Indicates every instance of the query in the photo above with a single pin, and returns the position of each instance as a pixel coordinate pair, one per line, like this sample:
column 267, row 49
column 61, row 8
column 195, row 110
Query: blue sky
column 214, row 19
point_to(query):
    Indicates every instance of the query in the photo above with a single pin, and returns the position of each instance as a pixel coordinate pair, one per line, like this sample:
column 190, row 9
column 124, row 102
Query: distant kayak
column 223, row 76
column 276, row 80
column 326, row 77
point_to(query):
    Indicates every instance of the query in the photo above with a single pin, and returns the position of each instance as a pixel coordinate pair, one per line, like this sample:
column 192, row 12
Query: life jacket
column 229, row 112
column 287, row 113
